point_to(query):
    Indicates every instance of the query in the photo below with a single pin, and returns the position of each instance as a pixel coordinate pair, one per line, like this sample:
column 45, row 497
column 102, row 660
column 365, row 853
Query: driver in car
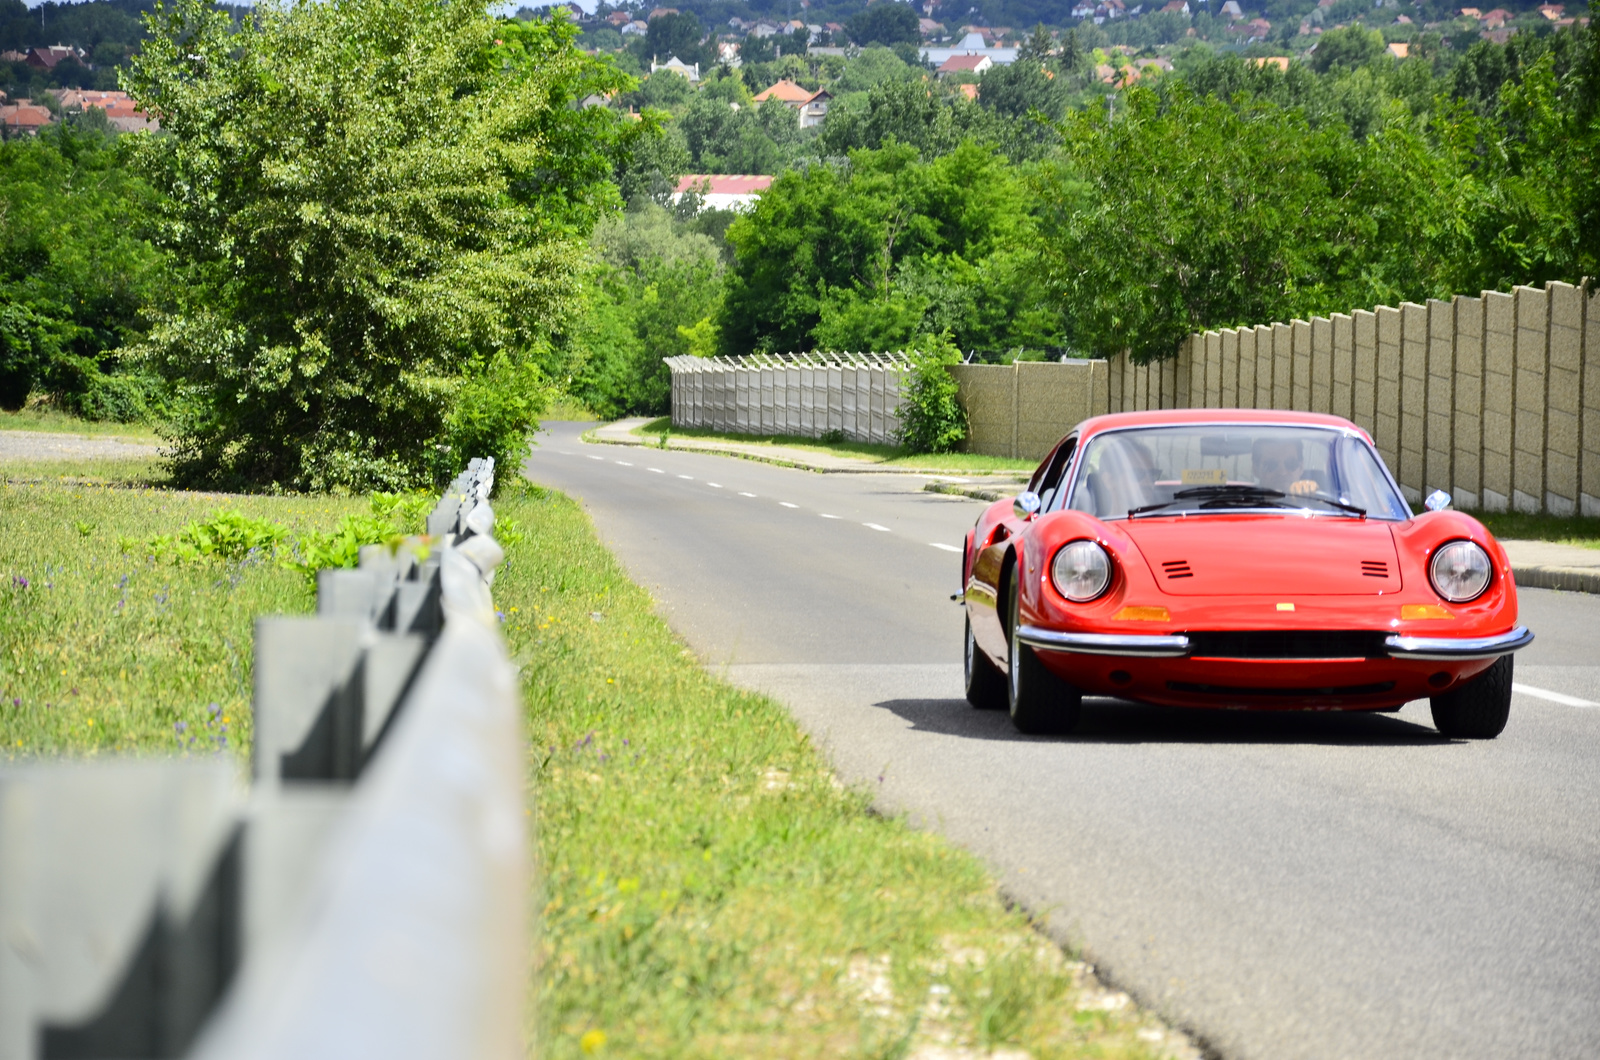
column 1277, row 464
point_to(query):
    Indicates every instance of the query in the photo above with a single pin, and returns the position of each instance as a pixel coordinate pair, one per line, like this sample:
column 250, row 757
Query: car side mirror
column 1026, row 505
column 1437, row 501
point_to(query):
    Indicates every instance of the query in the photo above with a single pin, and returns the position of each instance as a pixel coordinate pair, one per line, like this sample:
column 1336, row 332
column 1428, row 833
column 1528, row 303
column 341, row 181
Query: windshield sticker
column 1204, row 476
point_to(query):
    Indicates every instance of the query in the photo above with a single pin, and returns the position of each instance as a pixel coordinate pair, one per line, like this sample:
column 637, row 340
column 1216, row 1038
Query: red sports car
column 1234, row 558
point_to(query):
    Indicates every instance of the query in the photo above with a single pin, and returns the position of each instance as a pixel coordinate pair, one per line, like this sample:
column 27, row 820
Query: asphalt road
column 1280, row 886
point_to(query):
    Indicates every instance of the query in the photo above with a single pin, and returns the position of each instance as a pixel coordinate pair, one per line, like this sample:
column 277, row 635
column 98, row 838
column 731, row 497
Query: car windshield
column 1205, row 468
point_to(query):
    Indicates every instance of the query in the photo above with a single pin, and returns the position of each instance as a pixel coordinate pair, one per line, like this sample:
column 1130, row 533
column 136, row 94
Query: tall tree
column 376, row 206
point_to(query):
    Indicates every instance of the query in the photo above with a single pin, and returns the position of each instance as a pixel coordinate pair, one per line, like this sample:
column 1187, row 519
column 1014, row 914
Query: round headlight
column 1459, row 571
column 1081, row 571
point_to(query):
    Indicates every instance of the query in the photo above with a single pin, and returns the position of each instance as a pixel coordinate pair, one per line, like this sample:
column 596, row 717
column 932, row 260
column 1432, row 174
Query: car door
column 986, row 589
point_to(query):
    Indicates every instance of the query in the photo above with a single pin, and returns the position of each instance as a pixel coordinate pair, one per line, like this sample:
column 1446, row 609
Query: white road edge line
column 786, row 504
column 945, row 547
column 875, row 526
column 1554, row 697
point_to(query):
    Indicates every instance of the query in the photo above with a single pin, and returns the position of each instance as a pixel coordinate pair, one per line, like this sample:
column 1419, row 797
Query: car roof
column 1172, row 417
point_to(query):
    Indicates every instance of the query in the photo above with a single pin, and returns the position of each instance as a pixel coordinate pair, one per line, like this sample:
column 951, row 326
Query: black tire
column 1478, row 709
column 1041, row 703
column 986, row 685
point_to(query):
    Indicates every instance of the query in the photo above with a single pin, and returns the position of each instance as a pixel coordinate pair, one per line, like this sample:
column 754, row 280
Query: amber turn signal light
column 1143, row 614
column 1410, row 611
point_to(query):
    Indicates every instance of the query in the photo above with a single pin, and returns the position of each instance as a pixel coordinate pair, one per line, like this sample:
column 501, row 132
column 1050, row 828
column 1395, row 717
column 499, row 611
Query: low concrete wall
column 1023, row 409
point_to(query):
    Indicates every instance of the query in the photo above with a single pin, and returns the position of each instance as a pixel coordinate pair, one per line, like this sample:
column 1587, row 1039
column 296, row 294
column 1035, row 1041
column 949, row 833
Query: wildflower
column 180, row 727
column 19, row 581
column 592, row 1041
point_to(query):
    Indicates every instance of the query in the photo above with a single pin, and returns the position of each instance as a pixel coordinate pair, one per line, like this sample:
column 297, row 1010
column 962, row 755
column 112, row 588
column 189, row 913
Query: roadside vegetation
column 1580, row 530
column 708, row 887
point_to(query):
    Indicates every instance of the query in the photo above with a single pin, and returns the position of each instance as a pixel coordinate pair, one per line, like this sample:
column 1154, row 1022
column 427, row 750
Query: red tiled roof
column 786, row 91
column 959, row 63
column 719, row 184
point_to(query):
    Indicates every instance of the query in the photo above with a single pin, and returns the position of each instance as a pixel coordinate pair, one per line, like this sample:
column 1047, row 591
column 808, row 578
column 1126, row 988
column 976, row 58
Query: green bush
column 931, row 420
column 226, row 534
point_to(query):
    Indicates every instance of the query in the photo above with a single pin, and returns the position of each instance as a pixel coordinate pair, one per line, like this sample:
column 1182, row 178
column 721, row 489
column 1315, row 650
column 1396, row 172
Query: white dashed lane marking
column 1554, row 697
column 945, row 547
column 714, row 485
column 689, row 477
column 742, row 493
column 825, row 515
column 657, row 470
column 786, row 504
column 875, row 526
column 597, row 458
column 624, row 463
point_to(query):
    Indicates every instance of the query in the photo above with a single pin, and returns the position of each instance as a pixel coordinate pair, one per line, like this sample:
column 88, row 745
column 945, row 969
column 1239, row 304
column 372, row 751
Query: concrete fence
column 363, row 897
column 806, row 395
column 1023, row 409
column 1494, row 398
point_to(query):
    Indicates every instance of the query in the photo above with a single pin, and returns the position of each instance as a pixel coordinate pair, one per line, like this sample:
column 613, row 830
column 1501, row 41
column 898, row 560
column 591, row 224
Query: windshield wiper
column 1229, row 496
column 1243, row 496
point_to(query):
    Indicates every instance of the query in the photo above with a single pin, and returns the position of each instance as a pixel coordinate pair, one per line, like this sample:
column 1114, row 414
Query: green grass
column 886, row 455
column 1583, row 531
column 566, row 409
column 136, row 473
column 102, row 651
column 709, row 889
column 45, row 418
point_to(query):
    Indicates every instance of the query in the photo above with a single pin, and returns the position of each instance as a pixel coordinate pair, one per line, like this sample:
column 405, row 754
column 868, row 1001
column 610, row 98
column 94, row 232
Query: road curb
column 977, row 493
column 1567, row 579
column 800, row 465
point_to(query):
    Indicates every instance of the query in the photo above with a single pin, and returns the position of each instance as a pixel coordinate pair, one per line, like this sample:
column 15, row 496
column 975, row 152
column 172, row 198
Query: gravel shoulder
column 41, row 445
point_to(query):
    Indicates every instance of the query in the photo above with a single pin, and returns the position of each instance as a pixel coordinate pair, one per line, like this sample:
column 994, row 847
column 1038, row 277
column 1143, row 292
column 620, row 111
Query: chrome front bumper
column 1176, row 645
column 1448, row 648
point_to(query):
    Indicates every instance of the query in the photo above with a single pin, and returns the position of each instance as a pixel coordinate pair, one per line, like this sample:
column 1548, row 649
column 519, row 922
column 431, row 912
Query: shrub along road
column 1284, row 886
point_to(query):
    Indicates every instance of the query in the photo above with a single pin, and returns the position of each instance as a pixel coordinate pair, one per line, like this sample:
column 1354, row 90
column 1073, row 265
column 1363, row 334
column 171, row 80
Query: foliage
column 74, row 272
column 226, row 534
column 375, row 209
column 1243, row 214
column 851, row 257
column 391, row 517
column 884, row 24
column 931, row 420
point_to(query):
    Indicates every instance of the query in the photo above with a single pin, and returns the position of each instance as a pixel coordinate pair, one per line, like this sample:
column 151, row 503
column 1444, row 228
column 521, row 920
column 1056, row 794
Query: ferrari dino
column 1234, row 558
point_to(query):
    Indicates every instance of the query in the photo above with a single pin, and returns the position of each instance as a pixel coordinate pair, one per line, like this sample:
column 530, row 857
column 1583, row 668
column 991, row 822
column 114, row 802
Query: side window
column 1050, row 482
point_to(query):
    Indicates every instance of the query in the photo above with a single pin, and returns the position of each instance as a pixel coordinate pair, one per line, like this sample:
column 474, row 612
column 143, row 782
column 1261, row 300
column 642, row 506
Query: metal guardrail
column 364, row 897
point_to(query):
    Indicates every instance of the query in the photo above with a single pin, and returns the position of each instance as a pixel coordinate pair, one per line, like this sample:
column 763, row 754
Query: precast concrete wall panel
column 1364, row 369
column 1467, row 478
column 1531, row 398
column 1413, row 398
column 1589, row 468
column 1282, row 367
column 1438, row 454
column 1386, row 414
column 1342, row 368
column 1300, row 344
column 1321, row 364
column 1563, row 409
column 1499, row 392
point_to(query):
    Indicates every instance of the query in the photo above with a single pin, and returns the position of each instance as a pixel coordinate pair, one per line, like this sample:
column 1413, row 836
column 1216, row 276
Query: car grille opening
column 1287, row 644
column 1374, row 568
column 1222, row 690
column 1177, row 568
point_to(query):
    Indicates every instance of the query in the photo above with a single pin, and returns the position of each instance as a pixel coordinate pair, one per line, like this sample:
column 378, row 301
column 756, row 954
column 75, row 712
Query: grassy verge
column 887, row 455
column 106, row 651
column 1519, row 526
column 708, row 887
column 137, row 473
column 44, row 418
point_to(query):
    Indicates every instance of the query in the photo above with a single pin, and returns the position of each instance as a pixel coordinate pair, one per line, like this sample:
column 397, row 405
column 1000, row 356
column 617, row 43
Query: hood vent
column 1177, row 568
column 1374, row 568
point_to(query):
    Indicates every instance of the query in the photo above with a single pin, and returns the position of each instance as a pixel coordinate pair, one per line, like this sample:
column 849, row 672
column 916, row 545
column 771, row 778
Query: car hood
column 1268, row 555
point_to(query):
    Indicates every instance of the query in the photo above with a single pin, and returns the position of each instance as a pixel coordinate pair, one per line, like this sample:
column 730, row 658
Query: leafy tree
column 1346, row 48
column 376, row 209
column 681, row 35
column 1241, row 214
column 75, row 269
column 884, row 24
column 931, row 420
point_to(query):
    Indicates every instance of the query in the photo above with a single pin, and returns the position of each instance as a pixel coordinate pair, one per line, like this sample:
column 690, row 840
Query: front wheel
column 985, row 684
column 1478, row 709
column 1040, row 701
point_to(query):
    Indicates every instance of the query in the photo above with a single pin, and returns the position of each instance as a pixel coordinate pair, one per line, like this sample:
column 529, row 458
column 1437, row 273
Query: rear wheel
column 986, row 685
column 1040, row 701
column 1478, row 709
